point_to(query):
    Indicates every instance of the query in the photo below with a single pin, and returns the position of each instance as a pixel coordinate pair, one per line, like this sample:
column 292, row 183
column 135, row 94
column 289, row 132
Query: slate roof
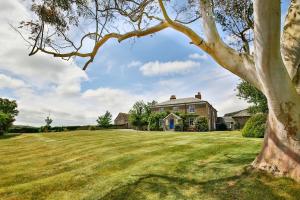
column 122, row 116
column 180, row 101
column 240, row 113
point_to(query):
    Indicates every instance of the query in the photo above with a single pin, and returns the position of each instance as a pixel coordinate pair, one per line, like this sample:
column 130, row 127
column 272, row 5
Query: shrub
column 24, row 129
column 178, row 127
column 201, row 124
column 221, row 127
column 155, row 121
column 92, row 128
column 255, row 126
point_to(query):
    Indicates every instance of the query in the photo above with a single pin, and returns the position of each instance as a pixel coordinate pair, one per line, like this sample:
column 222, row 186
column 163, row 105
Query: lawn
column 121, row 164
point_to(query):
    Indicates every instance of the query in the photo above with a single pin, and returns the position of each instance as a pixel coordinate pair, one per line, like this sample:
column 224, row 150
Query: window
column 191, row 121
column 175, row 109
column 191, row 108
column 160, row 122
column 161, row 109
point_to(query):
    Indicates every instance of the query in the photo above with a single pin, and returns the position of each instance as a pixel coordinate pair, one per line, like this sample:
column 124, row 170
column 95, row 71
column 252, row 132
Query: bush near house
column 255, row 126
column 155, row 121
column 201, row 124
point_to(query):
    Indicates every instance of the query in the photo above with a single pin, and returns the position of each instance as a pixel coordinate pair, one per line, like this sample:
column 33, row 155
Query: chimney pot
column 172, row 97
column 198, row 95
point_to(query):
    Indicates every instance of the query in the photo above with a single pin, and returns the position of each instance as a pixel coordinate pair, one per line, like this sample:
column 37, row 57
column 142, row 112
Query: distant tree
column 254, row 96
column 8, row 112
column 48, row 122
column 105, row 120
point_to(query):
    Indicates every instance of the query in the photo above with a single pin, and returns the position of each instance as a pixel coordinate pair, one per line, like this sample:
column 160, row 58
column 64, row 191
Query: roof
column 240, row 113
column 122, row 116
column 228, row 119
column 180, row 101
column 172, row 114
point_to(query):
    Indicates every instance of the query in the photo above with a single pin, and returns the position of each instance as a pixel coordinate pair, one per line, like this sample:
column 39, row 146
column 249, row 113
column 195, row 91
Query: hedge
column 255, row 127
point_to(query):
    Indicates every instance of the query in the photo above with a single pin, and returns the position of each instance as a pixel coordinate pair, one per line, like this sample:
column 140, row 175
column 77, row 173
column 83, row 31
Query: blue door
column 171, row 123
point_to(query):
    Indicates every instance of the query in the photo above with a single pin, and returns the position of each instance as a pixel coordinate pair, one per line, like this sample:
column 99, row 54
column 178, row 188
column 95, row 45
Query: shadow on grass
column 248, row 185
column 2, row 137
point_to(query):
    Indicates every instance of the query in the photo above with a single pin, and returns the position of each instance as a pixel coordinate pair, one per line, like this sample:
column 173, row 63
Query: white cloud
column 9, row 82
column 134, row 63
column 173, row 67
column 197, row 56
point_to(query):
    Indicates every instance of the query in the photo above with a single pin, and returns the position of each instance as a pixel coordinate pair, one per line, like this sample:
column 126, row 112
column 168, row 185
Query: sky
column 149, row 68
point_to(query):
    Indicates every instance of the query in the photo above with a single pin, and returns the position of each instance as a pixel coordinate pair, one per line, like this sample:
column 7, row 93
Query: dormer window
column 191, row 109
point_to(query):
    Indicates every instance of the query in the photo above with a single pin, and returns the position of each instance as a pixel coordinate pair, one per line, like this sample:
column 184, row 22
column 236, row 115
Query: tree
column 273, row 67
column 139, row 114
column 48, row 122
column 155, row 121
column 8, row 112
column 252, row 95
column 105, row 120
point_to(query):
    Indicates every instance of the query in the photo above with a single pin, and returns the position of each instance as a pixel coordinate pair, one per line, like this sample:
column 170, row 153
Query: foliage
column 155, row 121
column 201, row 124
column 8, row 112
column 139, row 115
column 179, row 127
column 92, row 128
column 253, row 95
column 184, row 122
column 104, row 121
column 24, row 129
column 255, row 126
column 236, row 19
column 221, row 127
column 47, row 127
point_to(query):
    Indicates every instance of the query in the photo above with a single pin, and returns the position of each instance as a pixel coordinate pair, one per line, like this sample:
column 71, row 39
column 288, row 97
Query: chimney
column 172, row 97
column 198, row 95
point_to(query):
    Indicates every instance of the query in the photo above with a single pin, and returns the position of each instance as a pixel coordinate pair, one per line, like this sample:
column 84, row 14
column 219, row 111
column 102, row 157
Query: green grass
column 135, row 165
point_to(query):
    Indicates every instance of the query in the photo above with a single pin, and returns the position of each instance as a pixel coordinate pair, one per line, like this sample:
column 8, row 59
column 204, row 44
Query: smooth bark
column 281, row 150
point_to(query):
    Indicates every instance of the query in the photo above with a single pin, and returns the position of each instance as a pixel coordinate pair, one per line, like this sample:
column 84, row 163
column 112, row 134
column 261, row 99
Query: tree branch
column 104, row 39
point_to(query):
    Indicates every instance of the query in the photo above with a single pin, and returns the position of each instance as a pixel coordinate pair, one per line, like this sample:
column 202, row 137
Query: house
column 236, row 120
column 192, row 107
column 122, row 120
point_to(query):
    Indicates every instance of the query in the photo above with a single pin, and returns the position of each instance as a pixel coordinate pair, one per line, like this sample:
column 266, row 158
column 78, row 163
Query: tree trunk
column 280, row 154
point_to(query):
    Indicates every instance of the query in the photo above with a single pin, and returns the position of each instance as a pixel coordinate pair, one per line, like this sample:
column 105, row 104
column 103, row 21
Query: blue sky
column 150, row 68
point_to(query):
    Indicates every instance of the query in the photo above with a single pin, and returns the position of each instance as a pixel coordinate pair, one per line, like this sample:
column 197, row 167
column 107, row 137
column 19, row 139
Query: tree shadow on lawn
column 248, row 185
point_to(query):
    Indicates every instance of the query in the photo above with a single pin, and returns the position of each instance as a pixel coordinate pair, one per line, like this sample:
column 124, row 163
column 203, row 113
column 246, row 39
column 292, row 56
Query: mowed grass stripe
column 84, row 152
column 136, row 165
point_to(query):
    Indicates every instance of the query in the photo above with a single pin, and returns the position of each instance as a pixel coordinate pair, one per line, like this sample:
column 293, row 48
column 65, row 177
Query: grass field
column 135, row 165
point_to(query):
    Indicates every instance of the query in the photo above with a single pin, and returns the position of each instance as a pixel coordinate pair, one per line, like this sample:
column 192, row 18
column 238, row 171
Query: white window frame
column 161, row 109
column 192, row 109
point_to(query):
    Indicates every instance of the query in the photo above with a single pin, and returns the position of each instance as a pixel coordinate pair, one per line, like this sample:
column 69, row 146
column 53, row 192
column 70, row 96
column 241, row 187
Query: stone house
column 236, row 120
column 193, row 107
column 122, row 120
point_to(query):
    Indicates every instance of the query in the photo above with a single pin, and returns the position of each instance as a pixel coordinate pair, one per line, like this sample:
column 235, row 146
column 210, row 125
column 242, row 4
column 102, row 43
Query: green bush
column 178, row 127
column 255, row 126
column 201, row 124
column 155, row 121
column 24, row 129
column 92, row 128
